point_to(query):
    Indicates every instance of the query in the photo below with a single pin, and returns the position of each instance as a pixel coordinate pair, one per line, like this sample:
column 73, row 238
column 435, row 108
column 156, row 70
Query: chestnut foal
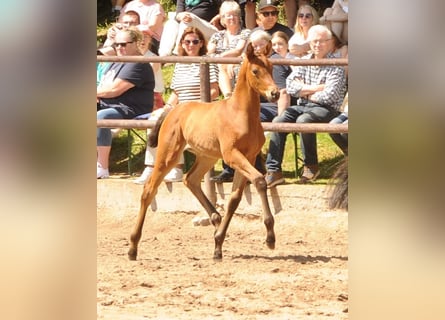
column 229, row 129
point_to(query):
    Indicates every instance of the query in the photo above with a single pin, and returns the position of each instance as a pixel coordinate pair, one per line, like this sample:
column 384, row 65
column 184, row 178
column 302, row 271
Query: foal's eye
column 255, row 72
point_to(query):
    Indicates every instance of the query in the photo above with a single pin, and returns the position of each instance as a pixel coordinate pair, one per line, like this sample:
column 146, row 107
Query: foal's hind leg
column 193, row 181
column 167, row 156
column 239, row 182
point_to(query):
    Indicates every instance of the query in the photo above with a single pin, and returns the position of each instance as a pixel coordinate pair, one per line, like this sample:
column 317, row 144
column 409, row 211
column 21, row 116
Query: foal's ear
column 250, row 53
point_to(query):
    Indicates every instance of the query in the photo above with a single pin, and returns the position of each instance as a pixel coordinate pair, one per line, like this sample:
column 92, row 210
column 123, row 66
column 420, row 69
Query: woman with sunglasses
column 307, row 16
column 124, row 92
column 186, row 86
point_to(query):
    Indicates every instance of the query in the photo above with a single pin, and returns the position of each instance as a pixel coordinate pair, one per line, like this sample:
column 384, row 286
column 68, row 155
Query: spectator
column 261, row 42
column 186, row 85
column 336, row 19
column 341, row 139
column 339, row 50
column 125, row 91
column 268, row 18
column 230, row 42
column 130, row 18
column 152, row 16
column 320, row 90
column 280, row 47
column 290, row 7
column 196, row 14
column 307, row 16
column 144, row 47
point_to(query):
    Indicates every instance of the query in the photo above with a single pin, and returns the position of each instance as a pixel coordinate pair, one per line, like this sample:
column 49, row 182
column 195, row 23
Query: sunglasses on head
column 122, row 44
column 307, row 15
column 270, row 13
column 188, row 42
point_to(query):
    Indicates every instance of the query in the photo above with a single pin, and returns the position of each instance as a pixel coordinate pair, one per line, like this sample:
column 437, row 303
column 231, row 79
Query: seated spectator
column 130, row 18
column 186, row 86
column 341, row 139
column 281, row 72
column 307, row 16
column 196, row 14
column 320, row 91
column 230, row 42
column 268, row 18
column 339, row 50
column 152, row 16
column 125, row 91
column 336, row 19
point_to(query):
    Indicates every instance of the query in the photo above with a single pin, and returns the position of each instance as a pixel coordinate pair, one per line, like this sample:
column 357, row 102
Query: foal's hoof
column 132, row 254
column 270, row 244
column 217, row 256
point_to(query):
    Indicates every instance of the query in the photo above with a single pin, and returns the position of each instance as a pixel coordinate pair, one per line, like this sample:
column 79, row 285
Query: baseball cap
column 267, row 3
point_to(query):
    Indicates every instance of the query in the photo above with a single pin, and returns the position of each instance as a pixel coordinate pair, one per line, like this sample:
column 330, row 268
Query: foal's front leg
column 257, row 179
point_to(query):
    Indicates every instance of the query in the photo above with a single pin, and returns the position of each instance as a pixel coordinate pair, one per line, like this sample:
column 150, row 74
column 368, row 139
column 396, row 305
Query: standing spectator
column 230, row 42
column 125, row 91
column 336, row 19
column 321, row 91
column 307, row 16
column 186, row 85
column 152, row 16
column 198, row 14
column 268, row 18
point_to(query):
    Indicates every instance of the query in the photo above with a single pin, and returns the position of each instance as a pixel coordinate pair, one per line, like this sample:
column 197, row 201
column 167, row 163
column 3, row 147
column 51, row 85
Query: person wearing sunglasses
column 186, row 86
column 268, row 18
column 307, row 16
column 124, row 92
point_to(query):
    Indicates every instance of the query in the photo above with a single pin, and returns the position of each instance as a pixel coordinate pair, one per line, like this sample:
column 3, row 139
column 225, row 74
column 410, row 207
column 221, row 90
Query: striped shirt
column 186, row 80
column 333, row 77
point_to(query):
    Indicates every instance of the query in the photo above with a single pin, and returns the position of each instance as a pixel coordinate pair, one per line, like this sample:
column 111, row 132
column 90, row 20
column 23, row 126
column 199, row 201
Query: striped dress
column 186, row 80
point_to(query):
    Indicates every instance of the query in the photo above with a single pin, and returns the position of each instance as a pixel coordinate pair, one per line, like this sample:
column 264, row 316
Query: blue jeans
column 340, row 139
column 308, row 113
column 104, row 137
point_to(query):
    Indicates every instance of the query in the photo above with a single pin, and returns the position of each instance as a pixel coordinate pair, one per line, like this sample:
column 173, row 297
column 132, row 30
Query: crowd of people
column 223, row 29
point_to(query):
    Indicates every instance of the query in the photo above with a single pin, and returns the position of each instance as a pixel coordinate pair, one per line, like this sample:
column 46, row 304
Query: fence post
column 209, row 186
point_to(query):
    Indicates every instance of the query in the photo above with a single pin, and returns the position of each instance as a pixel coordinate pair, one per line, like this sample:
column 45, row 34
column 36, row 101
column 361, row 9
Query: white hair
column 317, row 30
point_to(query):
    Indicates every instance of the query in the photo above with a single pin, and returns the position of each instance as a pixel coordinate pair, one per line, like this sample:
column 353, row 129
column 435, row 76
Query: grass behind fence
column 329, row 156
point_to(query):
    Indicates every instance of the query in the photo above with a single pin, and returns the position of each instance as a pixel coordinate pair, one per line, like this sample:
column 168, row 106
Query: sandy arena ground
column 175, row 276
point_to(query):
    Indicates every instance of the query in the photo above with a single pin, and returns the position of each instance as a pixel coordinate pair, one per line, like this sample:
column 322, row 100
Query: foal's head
column 259, row 74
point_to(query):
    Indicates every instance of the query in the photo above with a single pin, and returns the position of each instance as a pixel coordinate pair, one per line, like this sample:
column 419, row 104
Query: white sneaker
column 144, row 176
column 174, row 175
column 101, row 172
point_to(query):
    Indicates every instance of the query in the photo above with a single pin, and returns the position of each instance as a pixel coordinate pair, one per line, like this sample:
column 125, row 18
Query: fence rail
column 267, row 126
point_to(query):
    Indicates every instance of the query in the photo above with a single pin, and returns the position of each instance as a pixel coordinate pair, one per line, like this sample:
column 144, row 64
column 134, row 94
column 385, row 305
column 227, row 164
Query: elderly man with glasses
column 320, row 91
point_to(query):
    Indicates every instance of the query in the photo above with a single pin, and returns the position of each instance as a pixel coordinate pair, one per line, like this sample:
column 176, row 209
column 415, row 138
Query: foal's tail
column 339, row 193
column 152, row 139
